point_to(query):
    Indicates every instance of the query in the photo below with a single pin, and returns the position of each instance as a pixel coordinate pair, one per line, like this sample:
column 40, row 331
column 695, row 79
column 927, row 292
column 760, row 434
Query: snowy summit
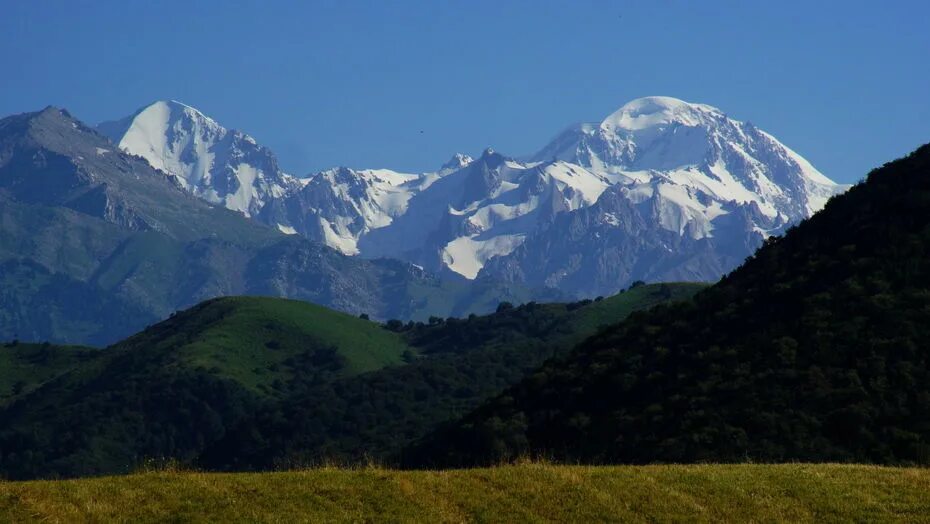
column 222, row 166
column 659, row 189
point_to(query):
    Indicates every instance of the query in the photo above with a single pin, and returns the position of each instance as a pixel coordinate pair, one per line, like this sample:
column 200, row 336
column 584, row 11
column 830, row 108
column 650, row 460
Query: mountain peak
column 172, row 110
column 51, row 113
column 223, row 166
column 55, row 110
column 652, row 111
column 457, row 161
column 53, row 127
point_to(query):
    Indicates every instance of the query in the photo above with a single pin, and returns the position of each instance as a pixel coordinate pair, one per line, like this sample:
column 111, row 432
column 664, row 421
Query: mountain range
column 96, row 243
column 107, row 229
column 659, row 190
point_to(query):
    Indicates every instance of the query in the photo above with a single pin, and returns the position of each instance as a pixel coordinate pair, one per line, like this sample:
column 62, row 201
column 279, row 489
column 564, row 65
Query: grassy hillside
column 23, row 367
column 816, row 349
column 459, row 364
column 254, row 340
column 182, row 384
column 249, row 382
column 702, row 493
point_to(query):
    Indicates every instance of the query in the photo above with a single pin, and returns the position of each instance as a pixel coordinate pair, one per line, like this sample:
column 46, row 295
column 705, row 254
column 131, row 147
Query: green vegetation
column 817, row 348
column 179, row 386
column 701, row 493
column 253, row 340
column 23, row 367
column 461, row 363
column 253, row 383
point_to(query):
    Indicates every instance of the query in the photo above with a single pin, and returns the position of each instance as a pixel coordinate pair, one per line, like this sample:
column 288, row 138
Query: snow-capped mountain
column 483, row 210
column 95, row 244
column 660, row 189
column 678, row 173
column 689, row 152
column 222, row 166
column 339, row 206
column 695, row 193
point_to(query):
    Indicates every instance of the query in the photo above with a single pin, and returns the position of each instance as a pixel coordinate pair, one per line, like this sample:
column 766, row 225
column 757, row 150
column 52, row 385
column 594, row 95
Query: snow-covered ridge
column 697, row 146
column 648, row 112
column 481, row 211
column 686, row 169
column 225, row 167
column 337, row 206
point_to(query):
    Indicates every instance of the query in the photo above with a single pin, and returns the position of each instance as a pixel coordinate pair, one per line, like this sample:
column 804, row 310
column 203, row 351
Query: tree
column 504, row 306
column 394, row 325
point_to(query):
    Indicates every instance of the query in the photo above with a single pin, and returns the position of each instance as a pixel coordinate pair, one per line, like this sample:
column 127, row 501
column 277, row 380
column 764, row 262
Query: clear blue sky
column 846, row 84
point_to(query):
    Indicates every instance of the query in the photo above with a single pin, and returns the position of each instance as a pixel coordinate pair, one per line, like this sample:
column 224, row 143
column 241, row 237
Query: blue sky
column 846, row 84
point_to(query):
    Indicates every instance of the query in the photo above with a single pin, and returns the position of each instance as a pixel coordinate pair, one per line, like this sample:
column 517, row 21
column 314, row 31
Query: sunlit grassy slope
column 741, row 493
column 236, row 336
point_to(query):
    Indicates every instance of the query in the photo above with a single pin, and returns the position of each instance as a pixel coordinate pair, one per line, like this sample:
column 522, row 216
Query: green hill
column 24, row 367
column 258, row 341
column 817, row 348
column 251, row 382
column 701, row 493
column 459, row 364
column 180, row 385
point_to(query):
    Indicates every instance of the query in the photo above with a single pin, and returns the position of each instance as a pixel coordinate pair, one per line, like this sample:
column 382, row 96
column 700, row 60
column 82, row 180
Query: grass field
column 532, row 492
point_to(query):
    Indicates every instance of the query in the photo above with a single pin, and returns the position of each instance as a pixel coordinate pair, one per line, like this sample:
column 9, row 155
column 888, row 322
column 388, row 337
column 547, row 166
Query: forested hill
column 815, row 349
column 255, row 383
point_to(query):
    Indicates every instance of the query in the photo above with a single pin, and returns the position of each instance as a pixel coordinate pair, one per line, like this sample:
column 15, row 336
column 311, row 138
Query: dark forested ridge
column 815, row 349
column 251, row 383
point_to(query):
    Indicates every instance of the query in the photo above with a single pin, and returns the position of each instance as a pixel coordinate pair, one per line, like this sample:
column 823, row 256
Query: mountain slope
column 339, row 206
column 597, row 249
column 689, row 193
column 456, row 364
column 814, row 350
column 481, row 211
column 250, row 382
column 48, row 158
column 695, row 193
column 96, row 244
column 225, row 167
column 180, row 385
column 705, row 190
column 23, row 367
column 698, row 147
